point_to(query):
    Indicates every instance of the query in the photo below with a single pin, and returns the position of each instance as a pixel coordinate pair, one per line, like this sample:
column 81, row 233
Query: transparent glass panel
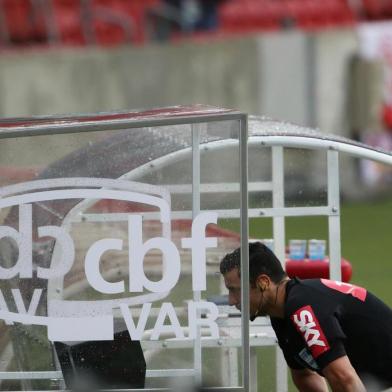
column 107, row 266
column 260, row 176
column 305, row 177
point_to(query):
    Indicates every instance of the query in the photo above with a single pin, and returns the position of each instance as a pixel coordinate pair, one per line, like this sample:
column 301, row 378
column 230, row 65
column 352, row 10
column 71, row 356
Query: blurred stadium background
column 324, row 64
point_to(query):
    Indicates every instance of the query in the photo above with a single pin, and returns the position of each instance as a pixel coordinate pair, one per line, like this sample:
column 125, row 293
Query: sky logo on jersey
column 346, row 288
column 308, row 326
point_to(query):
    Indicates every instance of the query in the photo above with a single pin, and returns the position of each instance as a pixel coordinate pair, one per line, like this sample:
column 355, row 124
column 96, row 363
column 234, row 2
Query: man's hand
column 308, row 381
column 342, row 377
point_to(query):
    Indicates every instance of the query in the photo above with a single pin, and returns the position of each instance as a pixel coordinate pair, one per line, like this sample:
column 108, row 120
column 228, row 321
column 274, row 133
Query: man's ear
column 263, row 282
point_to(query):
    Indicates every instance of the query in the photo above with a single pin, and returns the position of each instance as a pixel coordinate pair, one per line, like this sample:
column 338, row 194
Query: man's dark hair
column 261, row 261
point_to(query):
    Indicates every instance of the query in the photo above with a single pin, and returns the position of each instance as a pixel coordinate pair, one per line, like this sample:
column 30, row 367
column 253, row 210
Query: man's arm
column 307, row 381
column 342, row 377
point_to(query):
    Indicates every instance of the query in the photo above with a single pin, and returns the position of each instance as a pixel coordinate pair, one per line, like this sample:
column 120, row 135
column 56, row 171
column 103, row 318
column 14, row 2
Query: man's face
column 233, row 283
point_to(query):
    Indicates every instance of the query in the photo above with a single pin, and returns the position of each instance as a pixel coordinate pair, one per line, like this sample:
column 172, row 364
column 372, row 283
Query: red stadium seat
column 18, row 20
column 68, row 20
column 120, row 21
column 23, row 23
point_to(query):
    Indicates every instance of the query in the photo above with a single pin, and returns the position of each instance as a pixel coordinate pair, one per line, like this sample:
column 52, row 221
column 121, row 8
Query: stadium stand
column 116, row 22
column 269, row 14
column 73, row 22
column 102, row 22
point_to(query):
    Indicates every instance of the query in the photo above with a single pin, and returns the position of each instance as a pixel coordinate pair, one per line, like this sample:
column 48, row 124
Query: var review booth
column 112, row 227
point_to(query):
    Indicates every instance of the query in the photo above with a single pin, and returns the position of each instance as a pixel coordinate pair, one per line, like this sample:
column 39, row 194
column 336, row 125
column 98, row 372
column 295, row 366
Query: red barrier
column 308, row 269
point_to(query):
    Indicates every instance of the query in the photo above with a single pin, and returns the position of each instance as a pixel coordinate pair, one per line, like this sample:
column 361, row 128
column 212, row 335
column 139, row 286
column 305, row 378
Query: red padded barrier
column 308, row 269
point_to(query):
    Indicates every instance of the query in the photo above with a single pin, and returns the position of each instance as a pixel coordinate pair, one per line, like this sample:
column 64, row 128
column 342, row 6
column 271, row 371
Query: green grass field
column 366, row 234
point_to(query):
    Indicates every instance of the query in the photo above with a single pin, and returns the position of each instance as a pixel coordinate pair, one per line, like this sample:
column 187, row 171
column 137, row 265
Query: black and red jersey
column 325, row 320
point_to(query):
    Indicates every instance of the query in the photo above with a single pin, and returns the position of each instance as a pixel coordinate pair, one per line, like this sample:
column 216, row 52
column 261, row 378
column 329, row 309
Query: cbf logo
column 93, row 320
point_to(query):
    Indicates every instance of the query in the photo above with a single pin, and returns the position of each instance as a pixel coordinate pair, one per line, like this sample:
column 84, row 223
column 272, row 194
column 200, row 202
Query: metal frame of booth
column 196, row 115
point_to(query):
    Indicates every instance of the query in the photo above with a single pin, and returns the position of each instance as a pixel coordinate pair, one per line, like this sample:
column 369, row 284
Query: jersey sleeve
column 291, row 362
column 285, row 347
column 320, row 331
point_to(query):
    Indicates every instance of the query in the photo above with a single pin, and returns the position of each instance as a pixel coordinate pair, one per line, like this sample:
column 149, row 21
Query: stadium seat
column 68, row 20
column 119, row 21
column 22, row 23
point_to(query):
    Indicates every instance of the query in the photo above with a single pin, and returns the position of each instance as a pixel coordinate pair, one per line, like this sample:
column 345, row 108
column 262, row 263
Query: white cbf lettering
column 199, row 243
column 167, row 310
column 23, row 239
column 93, row 258
column 20, row 305
column 136, row 332
column 65, row 262
column 137, row 250
column 194, row 310
column 138, row 282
